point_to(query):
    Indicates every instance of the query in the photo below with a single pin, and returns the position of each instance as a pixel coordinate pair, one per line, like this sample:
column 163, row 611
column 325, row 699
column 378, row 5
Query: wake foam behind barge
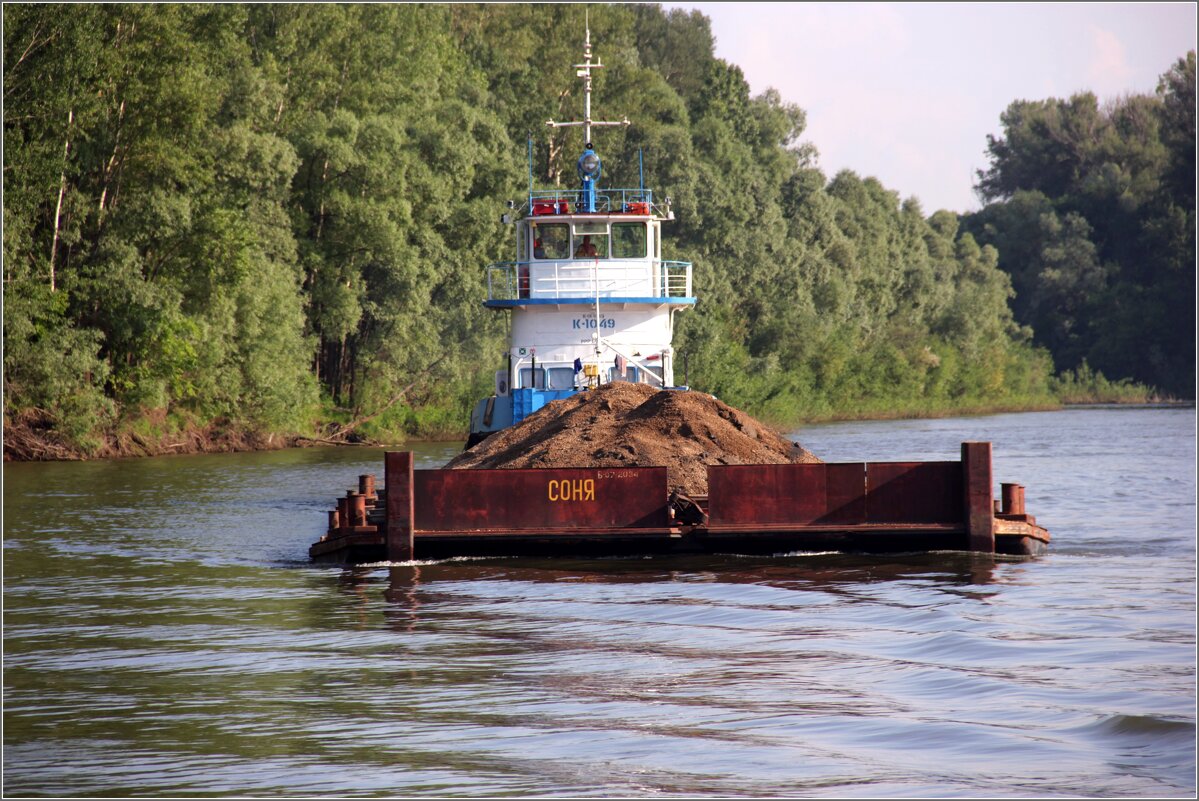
column 856, row 506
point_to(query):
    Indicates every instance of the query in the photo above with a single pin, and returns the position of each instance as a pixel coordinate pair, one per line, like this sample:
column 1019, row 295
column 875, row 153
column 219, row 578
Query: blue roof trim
column 507, row 304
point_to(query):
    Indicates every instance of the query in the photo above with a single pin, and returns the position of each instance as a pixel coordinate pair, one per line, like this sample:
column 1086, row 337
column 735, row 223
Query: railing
column 676, row 279
column 553, row 280
column 607, row 201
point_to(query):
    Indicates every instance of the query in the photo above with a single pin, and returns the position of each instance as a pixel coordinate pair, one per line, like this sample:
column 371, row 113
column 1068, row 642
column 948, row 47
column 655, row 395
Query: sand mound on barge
column 634, row 425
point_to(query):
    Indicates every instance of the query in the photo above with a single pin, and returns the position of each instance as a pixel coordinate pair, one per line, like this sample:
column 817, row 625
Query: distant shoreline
column 1165, row 404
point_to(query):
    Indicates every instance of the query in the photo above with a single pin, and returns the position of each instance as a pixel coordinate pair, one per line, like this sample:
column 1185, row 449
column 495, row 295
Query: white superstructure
column 590, row 297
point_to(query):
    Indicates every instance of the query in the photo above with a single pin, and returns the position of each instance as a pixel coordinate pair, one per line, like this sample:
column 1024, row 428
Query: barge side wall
column 582, row 501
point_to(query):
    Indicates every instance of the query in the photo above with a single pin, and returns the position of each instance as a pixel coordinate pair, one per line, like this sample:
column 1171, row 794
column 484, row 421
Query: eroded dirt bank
column 32, row 437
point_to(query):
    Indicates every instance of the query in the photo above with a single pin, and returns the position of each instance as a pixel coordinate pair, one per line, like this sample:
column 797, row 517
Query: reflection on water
column 164, row 635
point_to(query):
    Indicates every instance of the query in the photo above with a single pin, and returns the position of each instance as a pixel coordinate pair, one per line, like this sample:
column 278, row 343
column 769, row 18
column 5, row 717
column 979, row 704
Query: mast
column 584, row 71
column 589, row 165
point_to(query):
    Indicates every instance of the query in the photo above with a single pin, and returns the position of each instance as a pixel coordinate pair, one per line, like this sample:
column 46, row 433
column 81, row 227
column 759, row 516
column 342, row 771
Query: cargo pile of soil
column 634, row 425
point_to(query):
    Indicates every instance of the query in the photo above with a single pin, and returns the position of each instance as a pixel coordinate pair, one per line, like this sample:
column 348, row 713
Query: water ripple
column 197, row 655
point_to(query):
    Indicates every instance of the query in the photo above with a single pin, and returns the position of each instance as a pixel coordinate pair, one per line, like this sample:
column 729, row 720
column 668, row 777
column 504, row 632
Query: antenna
column 584, row 71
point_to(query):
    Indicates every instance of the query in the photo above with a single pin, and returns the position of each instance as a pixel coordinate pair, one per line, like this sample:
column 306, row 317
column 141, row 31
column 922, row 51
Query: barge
column 873, row 507
column 590, row 301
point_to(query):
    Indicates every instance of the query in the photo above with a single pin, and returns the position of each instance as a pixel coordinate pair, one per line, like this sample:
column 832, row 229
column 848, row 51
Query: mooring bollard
column 366, row 487
column 343, row 515
column 334, row 524
column 1013, row 499
column 357, row 510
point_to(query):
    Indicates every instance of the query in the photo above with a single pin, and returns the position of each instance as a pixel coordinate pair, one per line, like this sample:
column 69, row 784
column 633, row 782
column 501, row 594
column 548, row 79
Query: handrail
column 578, row 278
column 607, row 201
column 641, row 364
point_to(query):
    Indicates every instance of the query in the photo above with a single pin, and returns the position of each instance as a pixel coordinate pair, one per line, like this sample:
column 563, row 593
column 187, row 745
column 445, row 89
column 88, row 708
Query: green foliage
column 51, row 365
column 1084, row 385
column 276, row 216
column 1092, row 209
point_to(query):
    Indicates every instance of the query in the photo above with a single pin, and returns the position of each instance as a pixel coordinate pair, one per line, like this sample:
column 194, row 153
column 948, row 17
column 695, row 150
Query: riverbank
column 969, row 410
column 32, row 436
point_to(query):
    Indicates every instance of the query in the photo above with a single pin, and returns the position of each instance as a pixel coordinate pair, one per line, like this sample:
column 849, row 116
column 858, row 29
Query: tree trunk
column 320, row 222
column 343, row 368
column 342, row 431
column 283, row 97
column 320, row 217
column 111, row 166
column 332, row 371
column 62, row 190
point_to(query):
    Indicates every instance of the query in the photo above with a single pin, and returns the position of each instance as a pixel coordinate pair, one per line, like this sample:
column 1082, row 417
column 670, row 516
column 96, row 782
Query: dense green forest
column 1092, row 210
column 275, row 218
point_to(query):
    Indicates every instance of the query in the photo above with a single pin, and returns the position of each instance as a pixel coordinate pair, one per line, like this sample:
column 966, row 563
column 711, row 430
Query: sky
column 908, row 92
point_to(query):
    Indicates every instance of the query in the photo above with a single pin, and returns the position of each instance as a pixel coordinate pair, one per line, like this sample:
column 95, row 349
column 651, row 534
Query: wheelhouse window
column 527, row 376
column 628, row 240
column 561, row 377
column 631, row 374
column 547, row 378
column 551, row 241
column 590, row 240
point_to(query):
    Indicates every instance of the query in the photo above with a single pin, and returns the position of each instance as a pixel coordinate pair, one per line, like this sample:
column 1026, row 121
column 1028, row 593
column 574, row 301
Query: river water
column 164, row 635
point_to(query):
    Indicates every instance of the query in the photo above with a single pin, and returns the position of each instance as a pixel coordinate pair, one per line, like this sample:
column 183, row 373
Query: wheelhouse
column 543, row 240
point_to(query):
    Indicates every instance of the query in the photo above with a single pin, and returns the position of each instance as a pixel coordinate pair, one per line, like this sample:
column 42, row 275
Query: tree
column 1092, row 210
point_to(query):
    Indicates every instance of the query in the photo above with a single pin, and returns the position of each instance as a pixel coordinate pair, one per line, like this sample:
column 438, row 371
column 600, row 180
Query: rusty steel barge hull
column 875, row 507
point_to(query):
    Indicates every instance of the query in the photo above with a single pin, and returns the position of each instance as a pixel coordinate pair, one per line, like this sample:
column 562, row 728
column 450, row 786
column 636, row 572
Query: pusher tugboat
column 591, row 298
